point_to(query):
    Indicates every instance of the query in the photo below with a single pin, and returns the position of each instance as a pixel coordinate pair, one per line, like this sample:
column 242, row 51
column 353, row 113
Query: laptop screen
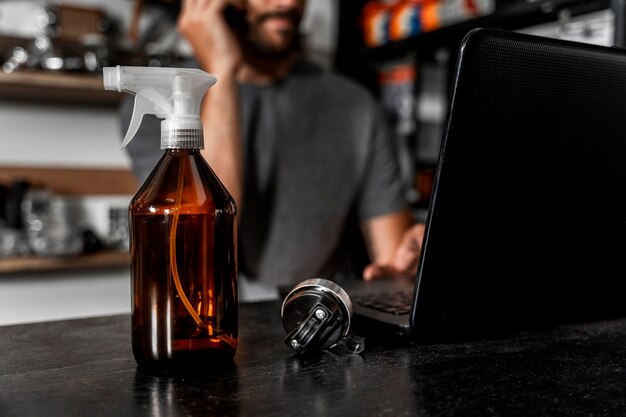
column 527, row 224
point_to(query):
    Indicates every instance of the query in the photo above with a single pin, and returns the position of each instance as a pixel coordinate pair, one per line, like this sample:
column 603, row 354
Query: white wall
column 57, row 135
column 33, row 297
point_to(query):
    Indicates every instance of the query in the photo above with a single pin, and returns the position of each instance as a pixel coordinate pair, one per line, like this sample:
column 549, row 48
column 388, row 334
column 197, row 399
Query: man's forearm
column 383, row 234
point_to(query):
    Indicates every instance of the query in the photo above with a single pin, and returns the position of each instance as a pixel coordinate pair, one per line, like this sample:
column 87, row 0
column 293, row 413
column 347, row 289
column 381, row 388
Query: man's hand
column 405, row 258
column 214, row 43
column 217, row 49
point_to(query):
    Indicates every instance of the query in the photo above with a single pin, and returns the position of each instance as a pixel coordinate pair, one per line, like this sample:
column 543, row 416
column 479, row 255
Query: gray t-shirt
column 318, row 160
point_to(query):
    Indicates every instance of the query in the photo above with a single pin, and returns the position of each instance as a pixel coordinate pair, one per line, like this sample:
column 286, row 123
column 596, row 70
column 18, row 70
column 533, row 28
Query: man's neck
column 263, row 72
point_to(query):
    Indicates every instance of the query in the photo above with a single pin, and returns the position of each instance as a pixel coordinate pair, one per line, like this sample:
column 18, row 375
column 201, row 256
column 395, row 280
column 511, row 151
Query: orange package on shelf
column 405, row 20
column 375, row 23
column 430, row 15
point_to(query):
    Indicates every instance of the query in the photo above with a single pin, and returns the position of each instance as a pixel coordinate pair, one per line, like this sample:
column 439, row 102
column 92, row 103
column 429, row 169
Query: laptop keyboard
column 397, row 303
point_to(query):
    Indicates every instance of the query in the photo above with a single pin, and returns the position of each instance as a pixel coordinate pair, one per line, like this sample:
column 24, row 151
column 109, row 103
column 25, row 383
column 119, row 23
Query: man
column 301, row 150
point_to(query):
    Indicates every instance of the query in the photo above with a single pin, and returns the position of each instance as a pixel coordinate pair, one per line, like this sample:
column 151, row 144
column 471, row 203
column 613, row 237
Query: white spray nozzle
column 173, row 94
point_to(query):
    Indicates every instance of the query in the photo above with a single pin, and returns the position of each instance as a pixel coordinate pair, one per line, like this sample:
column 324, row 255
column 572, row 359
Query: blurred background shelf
column 88, row 194
column 57, row 87
column 94, row 260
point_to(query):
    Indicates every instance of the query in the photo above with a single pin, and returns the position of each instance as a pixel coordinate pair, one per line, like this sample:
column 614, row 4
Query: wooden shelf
column 35, row 264
column 56, row 87
column 74, row 181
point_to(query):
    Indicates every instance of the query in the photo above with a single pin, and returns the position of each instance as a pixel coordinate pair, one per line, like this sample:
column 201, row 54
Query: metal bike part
column 316, row 315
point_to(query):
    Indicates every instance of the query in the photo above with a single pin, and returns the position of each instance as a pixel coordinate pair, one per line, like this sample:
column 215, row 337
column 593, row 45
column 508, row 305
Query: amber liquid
column 184, row 266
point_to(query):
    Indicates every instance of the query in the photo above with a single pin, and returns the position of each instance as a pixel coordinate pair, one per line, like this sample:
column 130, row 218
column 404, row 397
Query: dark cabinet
column 430, row 55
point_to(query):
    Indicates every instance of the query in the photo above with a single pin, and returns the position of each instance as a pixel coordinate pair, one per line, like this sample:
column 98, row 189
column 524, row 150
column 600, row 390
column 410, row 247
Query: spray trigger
column 173, row 94
column 142, row 107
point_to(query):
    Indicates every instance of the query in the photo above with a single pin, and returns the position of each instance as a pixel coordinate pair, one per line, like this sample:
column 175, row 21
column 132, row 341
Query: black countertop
column 85, row 368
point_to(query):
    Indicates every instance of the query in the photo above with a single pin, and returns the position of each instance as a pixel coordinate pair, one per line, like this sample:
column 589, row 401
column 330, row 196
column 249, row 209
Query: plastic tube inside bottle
column 173, row 260
column 174, row 267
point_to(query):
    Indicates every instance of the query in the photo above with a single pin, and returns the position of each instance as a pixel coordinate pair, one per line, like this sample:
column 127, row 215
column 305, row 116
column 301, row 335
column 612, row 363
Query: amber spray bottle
column 182, row 227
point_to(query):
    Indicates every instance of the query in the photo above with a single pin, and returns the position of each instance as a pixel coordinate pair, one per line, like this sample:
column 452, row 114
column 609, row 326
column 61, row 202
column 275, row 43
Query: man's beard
column 257, row 46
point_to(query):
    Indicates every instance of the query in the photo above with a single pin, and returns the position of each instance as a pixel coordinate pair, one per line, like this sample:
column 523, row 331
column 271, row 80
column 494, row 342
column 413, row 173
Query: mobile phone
column 236, row 18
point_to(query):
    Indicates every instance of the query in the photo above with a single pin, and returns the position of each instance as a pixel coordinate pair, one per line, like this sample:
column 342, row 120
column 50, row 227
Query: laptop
column 527, row 223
